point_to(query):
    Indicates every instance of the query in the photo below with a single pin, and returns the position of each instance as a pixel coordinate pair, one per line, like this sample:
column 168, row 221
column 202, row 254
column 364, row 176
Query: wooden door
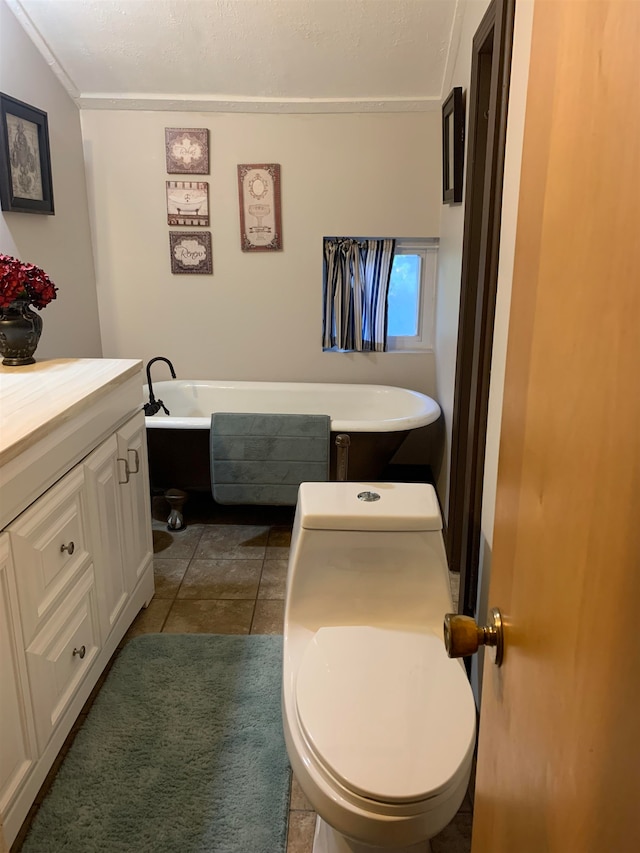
column 559, row 743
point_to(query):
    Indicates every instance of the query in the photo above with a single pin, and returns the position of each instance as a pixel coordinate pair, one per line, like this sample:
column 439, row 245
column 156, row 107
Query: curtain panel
column 356, row 279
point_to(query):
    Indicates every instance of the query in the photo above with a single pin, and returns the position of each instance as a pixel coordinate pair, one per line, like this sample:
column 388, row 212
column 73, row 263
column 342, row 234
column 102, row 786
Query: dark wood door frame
column 488, row 100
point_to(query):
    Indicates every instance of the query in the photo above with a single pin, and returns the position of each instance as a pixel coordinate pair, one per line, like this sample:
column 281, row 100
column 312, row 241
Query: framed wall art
column 452, row 147
column 25, row 159
column 188, row 203
column 187, row 150
column 190, row 252
column 260, row 215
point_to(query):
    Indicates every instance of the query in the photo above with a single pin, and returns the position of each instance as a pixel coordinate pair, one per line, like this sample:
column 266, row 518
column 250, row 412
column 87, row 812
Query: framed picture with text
column 191, row 252
column 25, row 159
column 187, row 150
column 260, row 215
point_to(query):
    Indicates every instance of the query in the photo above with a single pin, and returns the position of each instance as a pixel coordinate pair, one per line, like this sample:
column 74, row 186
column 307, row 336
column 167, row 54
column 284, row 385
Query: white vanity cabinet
column 17, row 739
column 135, row 496
column 56, row 593
column 117, row 479
column 75, row 552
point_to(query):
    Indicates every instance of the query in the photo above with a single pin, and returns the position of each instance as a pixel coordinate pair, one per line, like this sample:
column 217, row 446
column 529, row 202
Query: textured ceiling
column 268, row 55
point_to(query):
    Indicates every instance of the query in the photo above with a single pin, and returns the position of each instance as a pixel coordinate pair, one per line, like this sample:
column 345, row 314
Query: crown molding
column 238, row 104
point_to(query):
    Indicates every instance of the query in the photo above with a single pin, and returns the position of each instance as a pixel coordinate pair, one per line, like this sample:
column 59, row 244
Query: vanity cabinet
column 118, row 498
column 17, row 741
column 135, row 495
column 75, row 559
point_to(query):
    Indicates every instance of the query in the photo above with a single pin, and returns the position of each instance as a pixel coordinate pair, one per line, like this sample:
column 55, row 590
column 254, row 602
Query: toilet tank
column 368, row 554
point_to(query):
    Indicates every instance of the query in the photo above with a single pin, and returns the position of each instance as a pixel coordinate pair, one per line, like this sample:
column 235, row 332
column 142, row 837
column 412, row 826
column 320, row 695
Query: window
column 411, row 300
column 378, row 294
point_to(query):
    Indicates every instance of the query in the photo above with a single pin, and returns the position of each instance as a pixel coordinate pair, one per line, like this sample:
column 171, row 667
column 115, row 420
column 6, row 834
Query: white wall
column 60, row 244
column 259, row 315
column 450, row 255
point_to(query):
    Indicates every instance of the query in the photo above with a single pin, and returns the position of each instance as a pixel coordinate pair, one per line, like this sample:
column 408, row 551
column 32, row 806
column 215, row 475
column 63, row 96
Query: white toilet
column 379, row 723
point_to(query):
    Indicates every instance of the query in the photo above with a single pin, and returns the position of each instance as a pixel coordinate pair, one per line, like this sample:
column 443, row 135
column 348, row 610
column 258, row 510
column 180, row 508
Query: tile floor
column 225, row 574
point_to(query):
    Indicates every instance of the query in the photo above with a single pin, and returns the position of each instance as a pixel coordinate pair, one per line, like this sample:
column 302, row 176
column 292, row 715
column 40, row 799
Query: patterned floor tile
column 232, row 542
column 221, row 579
column 298, row 800
column 301, row 828
column 150, row 619
column 209, row 617
column 274, row 578
column 178, row 544
column 269, row 617
column 168, row 576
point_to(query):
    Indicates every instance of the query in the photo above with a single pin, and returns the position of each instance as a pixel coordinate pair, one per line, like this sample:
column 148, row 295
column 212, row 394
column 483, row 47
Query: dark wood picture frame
column 261, row 210
column 453, row 147
column 191, row 252
column 187, row 150
column 25, row 158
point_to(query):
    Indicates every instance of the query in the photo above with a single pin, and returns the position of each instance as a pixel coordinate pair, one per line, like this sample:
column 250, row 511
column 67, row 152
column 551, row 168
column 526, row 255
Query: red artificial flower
column 24, row 281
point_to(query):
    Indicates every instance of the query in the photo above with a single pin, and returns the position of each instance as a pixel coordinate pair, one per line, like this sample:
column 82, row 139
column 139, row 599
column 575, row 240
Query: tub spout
column 154, row 406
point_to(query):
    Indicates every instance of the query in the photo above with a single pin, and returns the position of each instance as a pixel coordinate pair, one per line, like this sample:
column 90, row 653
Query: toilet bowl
column 379, row 723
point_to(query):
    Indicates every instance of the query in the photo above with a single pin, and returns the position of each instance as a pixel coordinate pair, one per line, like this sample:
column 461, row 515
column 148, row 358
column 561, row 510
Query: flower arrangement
column 24, row 282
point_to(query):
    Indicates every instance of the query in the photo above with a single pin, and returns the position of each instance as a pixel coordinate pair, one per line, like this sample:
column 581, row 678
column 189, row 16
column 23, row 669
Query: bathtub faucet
column 154, row 406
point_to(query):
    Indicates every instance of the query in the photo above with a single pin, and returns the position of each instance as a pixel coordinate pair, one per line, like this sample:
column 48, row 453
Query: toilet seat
column 386, row 712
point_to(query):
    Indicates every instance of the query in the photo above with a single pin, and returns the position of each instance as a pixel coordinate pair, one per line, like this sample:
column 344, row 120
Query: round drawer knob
column 70, row 548
column 81, row 652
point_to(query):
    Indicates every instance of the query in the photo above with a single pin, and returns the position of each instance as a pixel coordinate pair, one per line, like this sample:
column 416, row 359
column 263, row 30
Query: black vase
column 20, row 330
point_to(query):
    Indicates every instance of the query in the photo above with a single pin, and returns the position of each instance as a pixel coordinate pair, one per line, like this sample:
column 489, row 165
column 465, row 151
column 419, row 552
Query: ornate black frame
column 452, row 147
column 8, row 200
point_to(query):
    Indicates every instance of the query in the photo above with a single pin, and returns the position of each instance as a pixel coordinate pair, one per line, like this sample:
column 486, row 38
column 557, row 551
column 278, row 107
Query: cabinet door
column 17, row 748
column 103, row 476
column 135, row 500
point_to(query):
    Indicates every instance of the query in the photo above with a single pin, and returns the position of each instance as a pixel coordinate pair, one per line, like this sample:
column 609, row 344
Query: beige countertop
column 37, row 398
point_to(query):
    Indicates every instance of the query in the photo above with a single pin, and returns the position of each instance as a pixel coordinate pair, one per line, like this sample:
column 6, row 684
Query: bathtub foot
column 176, row 499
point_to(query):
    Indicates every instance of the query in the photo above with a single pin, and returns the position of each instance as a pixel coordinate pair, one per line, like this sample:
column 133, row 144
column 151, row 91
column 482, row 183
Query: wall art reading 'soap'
column 188, row 203
column 190, row 252
column 260, row 217
column 187, row 150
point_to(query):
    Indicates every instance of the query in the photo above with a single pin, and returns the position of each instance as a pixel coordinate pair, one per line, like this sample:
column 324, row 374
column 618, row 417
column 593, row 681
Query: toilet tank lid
column 368, row 506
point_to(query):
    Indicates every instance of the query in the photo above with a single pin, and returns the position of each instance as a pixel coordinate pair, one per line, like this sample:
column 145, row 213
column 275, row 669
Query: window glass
column 404, row 296
column 411, row 302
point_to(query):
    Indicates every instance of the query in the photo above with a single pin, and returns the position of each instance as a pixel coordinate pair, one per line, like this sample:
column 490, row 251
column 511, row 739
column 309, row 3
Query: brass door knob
column 463, row 637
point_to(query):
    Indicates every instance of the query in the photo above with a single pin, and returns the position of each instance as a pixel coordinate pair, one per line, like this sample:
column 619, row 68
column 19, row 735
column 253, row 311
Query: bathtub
column 376, row 417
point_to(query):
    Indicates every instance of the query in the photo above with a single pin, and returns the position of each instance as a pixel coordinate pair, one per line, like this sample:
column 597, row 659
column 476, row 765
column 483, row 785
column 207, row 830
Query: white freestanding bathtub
column 377, row 419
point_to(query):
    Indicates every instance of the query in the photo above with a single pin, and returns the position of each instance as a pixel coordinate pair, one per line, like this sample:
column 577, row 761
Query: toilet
column 379, row 723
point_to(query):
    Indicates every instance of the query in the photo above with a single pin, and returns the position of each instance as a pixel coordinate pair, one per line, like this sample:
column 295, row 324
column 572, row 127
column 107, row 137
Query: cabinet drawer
column 61, row 654
column 49, row 548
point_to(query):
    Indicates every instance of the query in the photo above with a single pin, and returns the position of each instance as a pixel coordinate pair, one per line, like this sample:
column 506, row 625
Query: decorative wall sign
column 452, row 146
column 188, row 203
column 25, row 161
column 190, row 252
column 187, row 150
column 260, row 216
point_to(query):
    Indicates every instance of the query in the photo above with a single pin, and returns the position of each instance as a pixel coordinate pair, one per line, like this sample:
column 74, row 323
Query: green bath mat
column 182, row 752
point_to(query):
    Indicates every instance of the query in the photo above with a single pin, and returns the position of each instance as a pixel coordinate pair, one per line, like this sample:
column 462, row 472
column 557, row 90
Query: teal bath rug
column 182, row 752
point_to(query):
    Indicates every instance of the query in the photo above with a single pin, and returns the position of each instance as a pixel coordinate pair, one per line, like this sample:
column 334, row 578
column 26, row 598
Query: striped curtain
column 355, row 290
